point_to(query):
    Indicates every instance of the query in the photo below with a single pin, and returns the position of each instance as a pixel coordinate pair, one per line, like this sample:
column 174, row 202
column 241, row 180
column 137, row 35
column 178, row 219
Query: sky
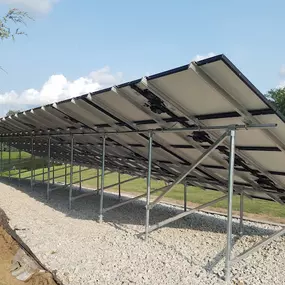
column 74, row 47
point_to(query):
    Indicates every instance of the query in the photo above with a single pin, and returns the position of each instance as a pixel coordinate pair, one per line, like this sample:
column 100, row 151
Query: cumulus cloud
column 58, row 88
column 42, row 6
column 281, row 77
column 200, row 57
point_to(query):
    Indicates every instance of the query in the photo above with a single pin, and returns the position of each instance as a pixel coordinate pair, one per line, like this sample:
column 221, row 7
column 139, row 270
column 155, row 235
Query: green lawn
column 195, row 194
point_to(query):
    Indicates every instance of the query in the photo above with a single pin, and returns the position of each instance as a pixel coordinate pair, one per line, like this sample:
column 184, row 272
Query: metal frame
column 230, row 131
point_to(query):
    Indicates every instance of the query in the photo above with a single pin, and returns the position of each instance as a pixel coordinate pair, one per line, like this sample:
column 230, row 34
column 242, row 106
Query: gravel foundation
column 188, row 251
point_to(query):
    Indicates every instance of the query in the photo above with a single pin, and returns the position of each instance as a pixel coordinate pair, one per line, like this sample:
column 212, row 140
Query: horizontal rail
column 131, row 200
column 158, row 130
column 106, row 187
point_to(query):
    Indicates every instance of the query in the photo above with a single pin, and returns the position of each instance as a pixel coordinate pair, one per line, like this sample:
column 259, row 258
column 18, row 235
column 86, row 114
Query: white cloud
column 200, row 57
column 281, row 77
column 58, row 88
column 42, row 6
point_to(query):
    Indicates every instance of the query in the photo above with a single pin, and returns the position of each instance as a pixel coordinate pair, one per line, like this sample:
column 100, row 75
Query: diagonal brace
column 193, row 166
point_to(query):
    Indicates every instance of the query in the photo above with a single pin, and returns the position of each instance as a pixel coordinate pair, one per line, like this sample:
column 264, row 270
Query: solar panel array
column 211, row 92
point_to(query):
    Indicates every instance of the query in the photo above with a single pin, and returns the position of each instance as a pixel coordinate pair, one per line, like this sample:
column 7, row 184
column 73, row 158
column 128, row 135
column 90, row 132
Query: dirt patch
column 9, row 245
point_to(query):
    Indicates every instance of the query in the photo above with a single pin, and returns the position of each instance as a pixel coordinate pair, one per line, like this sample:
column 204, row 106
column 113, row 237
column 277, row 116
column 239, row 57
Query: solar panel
column 207, row 93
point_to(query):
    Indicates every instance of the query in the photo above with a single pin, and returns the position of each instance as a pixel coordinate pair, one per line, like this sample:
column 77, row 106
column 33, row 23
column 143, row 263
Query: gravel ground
column 82, row 251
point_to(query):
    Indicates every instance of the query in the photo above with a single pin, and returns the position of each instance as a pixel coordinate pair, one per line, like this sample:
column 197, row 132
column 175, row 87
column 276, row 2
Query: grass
column 194, row 194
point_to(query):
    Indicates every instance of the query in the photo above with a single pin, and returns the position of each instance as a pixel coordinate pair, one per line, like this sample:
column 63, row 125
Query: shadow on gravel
column 87, row 208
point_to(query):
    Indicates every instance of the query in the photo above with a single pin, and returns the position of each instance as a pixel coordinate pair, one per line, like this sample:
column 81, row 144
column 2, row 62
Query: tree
column 12, row 112
column 14, row 16
column 278, row 97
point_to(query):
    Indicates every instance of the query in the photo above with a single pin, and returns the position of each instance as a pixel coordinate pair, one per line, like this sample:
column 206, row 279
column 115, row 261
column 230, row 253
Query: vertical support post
column 102, row 179
column 48, row 170
column 148, row 185
column 19, row 170
column 185, row 196
column 32, row 161
column 241, row 214
column 71, row 171
column 65, row 173
column 119, row 185
column 43, row 172
column 53, row 171
column 230, row 201
column 1, row 157
column 9, row 161
column 98, row 184
column 80, row 176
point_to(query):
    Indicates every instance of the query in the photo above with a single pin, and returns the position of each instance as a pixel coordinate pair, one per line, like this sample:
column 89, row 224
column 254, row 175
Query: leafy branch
column 16, row 17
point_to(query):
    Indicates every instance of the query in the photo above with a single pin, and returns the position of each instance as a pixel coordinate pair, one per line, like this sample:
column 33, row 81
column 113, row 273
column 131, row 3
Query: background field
column 194, row 194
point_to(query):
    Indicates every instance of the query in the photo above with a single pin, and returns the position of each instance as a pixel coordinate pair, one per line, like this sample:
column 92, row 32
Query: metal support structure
column 9, row 159
column 241, row 197
column 230, row 202
column 102, row 180
column 98, row 182
column 32, row 161
column 148, row 186
column 105, row 187
column 258, row 245
column 193, row 166
column 19, row 170
column 71, row 171
column 80, row 177
column 131, row 199
column 119, row 185
column 65, row 173
column 53, row 178
column 184, row 214
column 185, row 196
column 1, row 158
column 48, row 170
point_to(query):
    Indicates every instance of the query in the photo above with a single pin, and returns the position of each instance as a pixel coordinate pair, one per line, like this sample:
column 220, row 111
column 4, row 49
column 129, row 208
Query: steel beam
column 241, row 197
column 48, row 171
column 185, row 196
column 230, row 202
column 119, row 184
column 105, row 187
column 193, row 166
column 131, row 199
column 184, row 214
column 9, row 159
column 32, row 161
column 148, row 186
column 258, row 245
column 102, row 180
column 71, row 171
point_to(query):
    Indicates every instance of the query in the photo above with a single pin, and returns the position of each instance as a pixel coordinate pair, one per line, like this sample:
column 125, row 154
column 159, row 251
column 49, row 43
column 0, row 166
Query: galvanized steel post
column 71, row 171
column 185, row 196
column 80, row 176
column 19, row 170
column 119, row 185
column 102, row 180
column 48, row 169
column 241, row 214
column 1, row 157
column 32, row 161
column 65, row 173
column 148, row 185
column 230, row 200
column 9, row 161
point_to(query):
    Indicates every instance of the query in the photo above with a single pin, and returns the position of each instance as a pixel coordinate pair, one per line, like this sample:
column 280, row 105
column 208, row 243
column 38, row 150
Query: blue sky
column 96, row 43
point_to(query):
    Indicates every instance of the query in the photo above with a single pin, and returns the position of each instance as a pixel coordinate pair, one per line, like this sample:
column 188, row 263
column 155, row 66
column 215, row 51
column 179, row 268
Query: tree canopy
column 12, row 112
column 278, row 96
column 16, row 17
